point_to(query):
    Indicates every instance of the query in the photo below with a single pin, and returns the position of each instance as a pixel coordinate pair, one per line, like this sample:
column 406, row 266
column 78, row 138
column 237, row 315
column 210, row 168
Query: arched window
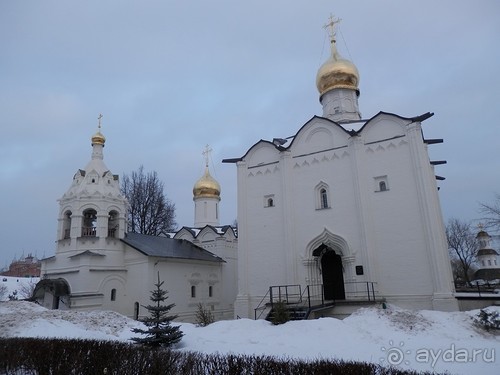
column 193, row 291
column 67, row 225
column 381, row 183
column 113, row 294
column 89, row 228
column 323, row 198
column 210, row 291
column 113, row 224
column 269, row 200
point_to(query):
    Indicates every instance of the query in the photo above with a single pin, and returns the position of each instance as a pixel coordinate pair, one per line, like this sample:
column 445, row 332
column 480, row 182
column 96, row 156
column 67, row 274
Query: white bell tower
column 93, row 210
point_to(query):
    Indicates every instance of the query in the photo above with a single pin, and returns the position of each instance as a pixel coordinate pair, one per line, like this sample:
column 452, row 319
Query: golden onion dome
column 98, row 139
column 337, row 73
column 206, row 187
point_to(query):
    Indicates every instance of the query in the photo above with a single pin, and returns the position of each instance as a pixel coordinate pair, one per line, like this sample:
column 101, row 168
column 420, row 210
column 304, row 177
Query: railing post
column 271, row 295
column 368, row 290
column 308, row 297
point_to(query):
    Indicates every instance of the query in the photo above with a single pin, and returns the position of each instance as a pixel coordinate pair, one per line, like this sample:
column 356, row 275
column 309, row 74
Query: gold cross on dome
column 206, row 154
column 331, row 25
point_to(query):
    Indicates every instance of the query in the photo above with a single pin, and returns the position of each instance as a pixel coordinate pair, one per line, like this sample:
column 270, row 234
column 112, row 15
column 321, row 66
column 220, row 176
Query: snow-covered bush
column 488, row 320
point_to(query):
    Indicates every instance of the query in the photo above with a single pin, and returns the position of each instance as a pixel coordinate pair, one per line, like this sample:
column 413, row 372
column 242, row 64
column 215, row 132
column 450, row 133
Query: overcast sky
column 170, row 77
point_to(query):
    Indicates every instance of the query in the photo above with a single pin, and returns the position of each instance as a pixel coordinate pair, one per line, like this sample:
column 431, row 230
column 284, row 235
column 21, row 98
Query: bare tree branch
column 150, row 211
column 462, row 246
column 491, row 218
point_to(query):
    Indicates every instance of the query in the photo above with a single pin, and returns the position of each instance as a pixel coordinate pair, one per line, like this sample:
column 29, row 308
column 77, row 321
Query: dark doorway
column 333, row 278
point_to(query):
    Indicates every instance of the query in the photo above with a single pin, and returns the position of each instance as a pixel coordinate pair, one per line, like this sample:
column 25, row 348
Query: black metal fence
column 313, row 295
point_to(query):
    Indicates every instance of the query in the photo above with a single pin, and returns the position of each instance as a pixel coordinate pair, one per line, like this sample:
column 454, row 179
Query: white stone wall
column 396, row 235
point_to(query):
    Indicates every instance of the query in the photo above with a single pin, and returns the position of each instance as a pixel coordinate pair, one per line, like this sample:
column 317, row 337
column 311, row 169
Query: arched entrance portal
column 333, row 278
column 332, row 274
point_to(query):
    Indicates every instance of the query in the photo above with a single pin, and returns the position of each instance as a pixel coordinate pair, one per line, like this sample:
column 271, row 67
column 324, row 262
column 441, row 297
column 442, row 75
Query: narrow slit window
column 136, row 310
column 113, row 294
column 193, row 291
column 382, row 186
column 324, row 198
column 210, row 291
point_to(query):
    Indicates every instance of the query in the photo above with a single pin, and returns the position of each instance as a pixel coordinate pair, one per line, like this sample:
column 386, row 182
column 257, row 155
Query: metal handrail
column 261, row 305
column 311, row 293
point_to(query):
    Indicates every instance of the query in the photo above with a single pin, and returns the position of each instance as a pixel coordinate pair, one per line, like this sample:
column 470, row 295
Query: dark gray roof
column 486, row 252
column 487, row 274
column 164, row 247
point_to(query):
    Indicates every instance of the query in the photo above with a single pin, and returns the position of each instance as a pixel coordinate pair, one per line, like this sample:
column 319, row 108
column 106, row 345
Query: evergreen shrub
column 42, row 356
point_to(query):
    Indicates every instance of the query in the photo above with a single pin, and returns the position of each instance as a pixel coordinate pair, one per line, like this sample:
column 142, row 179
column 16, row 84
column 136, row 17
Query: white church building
column 345, row 210
column 99, row 266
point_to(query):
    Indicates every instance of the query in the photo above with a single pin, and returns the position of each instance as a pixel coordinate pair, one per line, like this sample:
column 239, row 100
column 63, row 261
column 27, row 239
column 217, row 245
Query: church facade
column 347, row 207
column 98, row 265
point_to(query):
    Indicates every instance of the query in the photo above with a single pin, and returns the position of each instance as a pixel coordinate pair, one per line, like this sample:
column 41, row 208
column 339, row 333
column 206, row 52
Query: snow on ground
column 420, row 340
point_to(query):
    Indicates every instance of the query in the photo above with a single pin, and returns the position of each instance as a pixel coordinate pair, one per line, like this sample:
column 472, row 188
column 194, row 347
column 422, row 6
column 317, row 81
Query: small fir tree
column 160, row 331
column 204, row 316
column 280, row 313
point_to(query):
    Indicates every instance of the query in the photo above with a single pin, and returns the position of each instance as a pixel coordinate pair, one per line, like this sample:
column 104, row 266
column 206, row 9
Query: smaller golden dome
column 98, row 139
column 337, row 73
column 206, row 187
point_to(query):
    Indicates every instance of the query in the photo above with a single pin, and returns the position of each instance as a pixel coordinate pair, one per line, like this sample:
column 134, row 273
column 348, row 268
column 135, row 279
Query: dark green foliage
column 204, row 316
column 487, row 320
column 36, row 356
column 280, row 313
column 160, row 330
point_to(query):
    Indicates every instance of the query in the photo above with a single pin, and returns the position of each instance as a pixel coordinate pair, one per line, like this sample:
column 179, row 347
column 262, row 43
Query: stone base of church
column 242, row 307
column 437, row 301
column 444, row 302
